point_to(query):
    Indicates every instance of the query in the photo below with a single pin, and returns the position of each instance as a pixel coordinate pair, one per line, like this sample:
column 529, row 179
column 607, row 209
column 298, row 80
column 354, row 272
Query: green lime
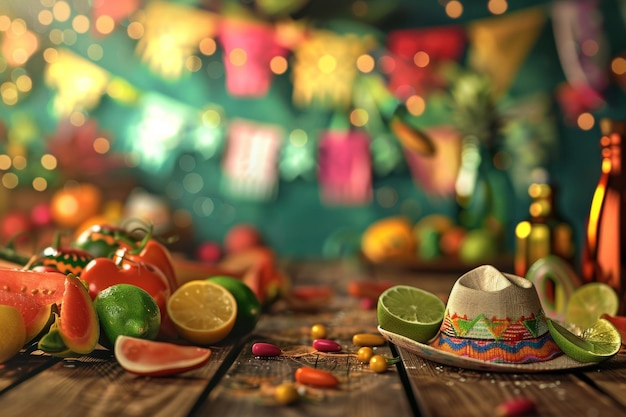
column 125, row 309
column 248, row 304
column 599, row 342
column 588, row 302
column 410, row 312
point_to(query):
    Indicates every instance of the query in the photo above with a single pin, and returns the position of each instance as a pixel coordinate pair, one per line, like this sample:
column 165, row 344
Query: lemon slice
column 599, row 342
column 203, row 312
column 589, row 302
column 410, row 312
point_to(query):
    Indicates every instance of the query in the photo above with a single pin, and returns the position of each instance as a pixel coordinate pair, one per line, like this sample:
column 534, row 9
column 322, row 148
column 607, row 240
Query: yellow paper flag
column 325, row 68
column 499, row 45
column 172, row 34
column 80, row 83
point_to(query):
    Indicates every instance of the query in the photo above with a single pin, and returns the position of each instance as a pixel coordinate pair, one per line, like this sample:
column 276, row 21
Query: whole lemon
column 248, row 305
column 125, row 309
column 13, row 331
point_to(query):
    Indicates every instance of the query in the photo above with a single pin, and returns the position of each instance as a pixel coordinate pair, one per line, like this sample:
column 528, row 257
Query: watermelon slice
column 153, row 358
column 45, row 287
column 36, row 316
column 78, row 323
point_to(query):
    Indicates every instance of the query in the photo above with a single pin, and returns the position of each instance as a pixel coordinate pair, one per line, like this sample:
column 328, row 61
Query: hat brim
column 426, row 351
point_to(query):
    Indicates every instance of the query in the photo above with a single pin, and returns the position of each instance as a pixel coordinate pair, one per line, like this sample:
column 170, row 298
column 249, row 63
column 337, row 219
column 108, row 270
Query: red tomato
column 101, row 273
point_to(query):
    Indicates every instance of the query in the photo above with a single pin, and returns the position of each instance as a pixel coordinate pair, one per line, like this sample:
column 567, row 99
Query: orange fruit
column 202, row 311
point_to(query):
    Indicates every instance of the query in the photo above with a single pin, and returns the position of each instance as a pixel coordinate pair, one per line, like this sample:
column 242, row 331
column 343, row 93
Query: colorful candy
column 367, row 339
column 326, row 345
column 364, row 354
column 316, row 377
column 318, row 331
column 516, row 407
column 378, row 364
column 265, row 350
column 286, row 393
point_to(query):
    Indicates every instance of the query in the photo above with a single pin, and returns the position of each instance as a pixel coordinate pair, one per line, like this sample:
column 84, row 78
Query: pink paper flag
column 345, row 168
column 250, row 162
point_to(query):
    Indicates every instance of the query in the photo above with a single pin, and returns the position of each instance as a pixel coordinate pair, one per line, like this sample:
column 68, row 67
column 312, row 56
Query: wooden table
column 235, row 383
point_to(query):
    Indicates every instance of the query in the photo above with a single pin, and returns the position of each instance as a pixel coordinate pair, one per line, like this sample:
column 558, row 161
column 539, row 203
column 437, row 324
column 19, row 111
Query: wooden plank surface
column 22, row 367
column 247, row 388
column 95, row 385
column 235, row 383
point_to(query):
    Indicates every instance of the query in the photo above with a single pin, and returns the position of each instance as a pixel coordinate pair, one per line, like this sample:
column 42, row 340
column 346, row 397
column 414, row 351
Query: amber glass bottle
column 604, row 255
column 543, row 233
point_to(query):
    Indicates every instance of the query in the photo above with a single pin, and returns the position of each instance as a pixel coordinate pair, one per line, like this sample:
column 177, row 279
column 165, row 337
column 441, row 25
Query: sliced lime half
column 410, row 312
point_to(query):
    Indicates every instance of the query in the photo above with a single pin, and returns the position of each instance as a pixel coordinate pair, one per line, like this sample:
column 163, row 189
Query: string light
column 278, row 65
column 416, row 105
column 105, row 24
column 497, row 7
column 207, row 46
column 421, row 59
column 48, row 161
column 5, row 162
column 40, row 184
column 585, row 121
column 365, row 63
column 10, row 180
column 238, row 57
column 81, row 24
column 135, row 30
column 95, row 52
column 61, row 11
column 454, row 9
column 101, row 145
column 359, row 117
column 618, row 66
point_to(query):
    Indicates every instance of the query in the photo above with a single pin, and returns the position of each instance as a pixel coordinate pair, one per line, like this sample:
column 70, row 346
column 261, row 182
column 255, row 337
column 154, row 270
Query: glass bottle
column 604, row 254
column 543, row 233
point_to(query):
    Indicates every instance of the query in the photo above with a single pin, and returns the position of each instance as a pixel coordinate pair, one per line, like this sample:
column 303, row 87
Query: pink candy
column 325, row 345
column 265, row 350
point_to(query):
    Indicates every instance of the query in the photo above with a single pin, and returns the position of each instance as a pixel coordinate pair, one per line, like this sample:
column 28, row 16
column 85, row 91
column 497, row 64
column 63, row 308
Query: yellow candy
column 367, row 339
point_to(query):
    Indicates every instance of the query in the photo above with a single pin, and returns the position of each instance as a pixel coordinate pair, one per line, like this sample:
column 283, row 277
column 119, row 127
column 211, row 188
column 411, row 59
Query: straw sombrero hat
column 493, row 322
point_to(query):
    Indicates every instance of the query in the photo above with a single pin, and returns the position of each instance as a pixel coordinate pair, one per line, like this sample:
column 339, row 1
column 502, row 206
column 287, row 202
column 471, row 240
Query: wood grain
column 22, row 367
column 95, row 385
column 446, row 391
column 248, row 386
